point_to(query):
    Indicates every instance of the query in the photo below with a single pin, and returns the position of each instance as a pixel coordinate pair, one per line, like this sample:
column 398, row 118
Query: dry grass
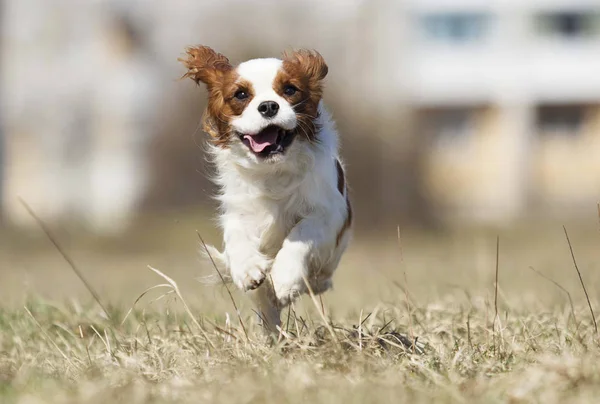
column 538, row 348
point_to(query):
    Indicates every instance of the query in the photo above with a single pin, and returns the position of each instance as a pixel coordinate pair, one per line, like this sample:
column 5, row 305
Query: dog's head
column 262, row 107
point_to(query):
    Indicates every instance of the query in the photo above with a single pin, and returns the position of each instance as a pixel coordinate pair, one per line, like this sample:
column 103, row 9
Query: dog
column 285, row 212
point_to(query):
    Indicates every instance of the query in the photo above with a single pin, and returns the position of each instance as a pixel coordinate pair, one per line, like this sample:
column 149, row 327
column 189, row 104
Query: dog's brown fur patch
column 222, row 81
column 341, row 183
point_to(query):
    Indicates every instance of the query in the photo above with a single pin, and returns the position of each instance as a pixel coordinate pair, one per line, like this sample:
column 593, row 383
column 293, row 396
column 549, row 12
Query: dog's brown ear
column 205, row 65
column 310, row 62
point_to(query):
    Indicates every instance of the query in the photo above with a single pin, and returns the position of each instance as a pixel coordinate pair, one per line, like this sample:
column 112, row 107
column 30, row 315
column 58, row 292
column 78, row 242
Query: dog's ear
column 205, row 65
column 209, row 125
column 310, row 62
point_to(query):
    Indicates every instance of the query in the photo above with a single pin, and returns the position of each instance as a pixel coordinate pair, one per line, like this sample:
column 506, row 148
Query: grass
column 183, row 342
column 68, row 353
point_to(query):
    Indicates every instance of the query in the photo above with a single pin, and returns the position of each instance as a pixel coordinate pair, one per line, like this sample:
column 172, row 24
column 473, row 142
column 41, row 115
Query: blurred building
column 78, row 98
column 508, row 95
column 465, row 110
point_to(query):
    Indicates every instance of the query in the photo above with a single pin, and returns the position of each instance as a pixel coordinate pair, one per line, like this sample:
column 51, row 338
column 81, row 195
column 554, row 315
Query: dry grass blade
column 405, row 290
column 496, row 289
column 410, row 314
column 406, row 293
column 50, row 339
column 101, row 339
column 561, row 288
column 497, row 270
column 400, row 243
column 185, row 306
column 469, row 340
column 62, row 252
column 316, row 303
column 366, row 318
column 402, row 342
column 162, row 285
column 322, row 304
column 360, row 332
column 222, row 331
column 581, row 280
column 237, row 311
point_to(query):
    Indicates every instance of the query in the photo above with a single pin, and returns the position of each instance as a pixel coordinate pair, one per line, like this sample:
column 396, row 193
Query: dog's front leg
column 247, row 265
column 309, row 248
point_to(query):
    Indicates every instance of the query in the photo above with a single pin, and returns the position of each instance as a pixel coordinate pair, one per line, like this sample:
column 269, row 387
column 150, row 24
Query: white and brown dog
column 286, row 215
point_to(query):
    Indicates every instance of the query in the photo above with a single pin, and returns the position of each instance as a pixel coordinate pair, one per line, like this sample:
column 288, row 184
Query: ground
column 356, row 344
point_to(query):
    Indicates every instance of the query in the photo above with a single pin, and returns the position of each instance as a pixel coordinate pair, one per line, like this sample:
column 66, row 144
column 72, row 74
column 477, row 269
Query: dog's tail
column 212, row 257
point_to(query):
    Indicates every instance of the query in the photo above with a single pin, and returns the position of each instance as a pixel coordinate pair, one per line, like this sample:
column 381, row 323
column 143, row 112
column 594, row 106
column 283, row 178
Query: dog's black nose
column 268, row 109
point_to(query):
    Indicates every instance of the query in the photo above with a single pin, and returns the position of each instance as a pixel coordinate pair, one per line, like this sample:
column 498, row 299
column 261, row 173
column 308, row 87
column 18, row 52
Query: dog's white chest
column 276, row 219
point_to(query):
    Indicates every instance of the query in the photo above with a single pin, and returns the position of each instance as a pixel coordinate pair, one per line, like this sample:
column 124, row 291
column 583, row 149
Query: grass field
column 58, row 346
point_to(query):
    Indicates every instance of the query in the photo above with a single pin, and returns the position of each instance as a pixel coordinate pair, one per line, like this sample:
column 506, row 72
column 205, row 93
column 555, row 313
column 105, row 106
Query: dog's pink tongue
column 266, row 137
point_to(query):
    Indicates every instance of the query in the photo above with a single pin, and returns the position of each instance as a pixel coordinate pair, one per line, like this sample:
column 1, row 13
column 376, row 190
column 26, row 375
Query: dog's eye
column 289, row 90
column 241, row 95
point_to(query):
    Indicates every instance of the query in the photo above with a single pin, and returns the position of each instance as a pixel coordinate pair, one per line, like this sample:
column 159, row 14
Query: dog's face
column 262, row 107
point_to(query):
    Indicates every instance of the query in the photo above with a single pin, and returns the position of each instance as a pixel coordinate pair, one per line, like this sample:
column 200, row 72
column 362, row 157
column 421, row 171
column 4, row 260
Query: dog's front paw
column 288, row 276
column 251, row 273
column 286, row 293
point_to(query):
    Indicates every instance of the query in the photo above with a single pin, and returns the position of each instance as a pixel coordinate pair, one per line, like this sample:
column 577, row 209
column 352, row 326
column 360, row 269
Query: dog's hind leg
column 267, row 310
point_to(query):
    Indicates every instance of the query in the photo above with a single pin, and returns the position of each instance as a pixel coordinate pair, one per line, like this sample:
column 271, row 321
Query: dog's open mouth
column 269, row 141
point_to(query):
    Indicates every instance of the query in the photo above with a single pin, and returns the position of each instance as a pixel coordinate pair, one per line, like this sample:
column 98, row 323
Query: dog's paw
column 250, row 274
column 287, row 293
column 288, row 276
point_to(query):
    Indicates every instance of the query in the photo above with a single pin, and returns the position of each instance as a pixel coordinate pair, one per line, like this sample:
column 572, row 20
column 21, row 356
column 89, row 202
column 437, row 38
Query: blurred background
column 453, row 114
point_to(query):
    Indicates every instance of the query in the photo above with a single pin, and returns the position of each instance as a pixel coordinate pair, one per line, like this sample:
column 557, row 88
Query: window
column 449, row 125
column 569, row 25
column 560, row 120
column 455, row 27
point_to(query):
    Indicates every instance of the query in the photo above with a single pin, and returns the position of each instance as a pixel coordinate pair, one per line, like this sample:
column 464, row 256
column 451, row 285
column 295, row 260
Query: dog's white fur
column 281, row 218
column 261, row 73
